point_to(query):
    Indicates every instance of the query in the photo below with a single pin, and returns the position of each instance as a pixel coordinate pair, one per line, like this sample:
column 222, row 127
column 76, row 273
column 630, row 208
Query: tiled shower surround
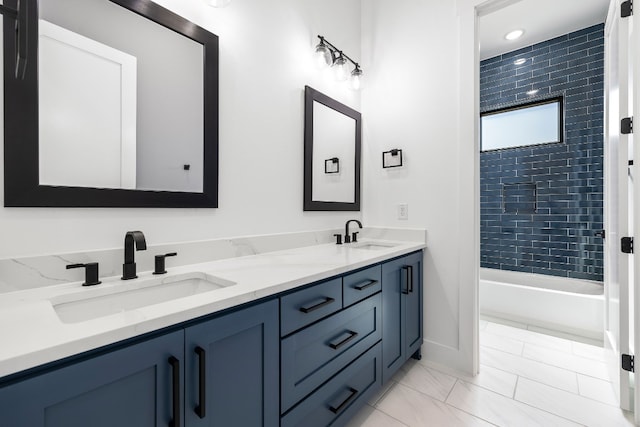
column 558, row 239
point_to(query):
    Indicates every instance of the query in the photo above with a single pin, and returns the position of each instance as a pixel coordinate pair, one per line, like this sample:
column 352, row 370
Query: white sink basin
column 373, row 246
column 92, row 303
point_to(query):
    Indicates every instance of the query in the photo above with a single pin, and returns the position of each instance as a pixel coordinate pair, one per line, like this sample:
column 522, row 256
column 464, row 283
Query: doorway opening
column 542, row 203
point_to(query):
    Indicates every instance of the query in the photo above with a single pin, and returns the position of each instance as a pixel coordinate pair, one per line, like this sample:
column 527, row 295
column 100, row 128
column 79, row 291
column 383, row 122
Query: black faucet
column 348, row 238
column 129, row 266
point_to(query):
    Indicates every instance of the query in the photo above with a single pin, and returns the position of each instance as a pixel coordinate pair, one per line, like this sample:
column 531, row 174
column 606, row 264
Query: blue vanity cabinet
column 402, row 329
column 139, row 386
column 151, row 382
column 311, row 356
column 232, row 365
column 340, row 398
column 319, row 351
column 330, row 366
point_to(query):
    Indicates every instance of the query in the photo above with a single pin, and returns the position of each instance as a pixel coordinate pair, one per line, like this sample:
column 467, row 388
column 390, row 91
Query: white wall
column 416, row 100
column 265, row 61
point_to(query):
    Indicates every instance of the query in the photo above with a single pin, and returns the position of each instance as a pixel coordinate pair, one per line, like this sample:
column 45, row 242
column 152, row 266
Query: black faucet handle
column 90, row 273
column 338, row 239
column 160, row 264
column 354, row 237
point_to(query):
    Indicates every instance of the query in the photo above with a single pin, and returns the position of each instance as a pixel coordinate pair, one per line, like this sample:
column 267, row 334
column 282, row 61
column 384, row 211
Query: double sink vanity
column 302, row 336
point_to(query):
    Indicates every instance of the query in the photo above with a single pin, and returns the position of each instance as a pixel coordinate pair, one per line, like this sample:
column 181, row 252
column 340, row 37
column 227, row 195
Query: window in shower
column 533, row 123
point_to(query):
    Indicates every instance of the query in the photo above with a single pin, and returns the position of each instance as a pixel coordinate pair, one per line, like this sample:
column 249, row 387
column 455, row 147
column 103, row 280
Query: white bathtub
column 567, row 305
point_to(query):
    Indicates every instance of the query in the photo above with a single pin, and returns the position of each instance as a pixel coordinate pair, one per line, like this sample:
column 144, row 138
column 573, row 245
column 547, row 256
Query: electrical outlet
column 403, row 211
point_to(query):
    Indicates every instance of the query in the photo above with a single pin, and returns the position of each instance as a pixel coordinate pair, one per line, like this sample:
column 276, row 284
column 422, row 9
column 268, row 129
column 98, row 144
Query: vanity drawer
column 342, row 396
column 304, row 307
column 311, row 356
column 358, row 286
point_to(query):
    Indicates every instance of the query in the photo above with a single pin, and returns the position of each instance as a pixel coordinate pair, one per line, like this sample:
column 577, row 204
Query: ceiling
column 540, row 19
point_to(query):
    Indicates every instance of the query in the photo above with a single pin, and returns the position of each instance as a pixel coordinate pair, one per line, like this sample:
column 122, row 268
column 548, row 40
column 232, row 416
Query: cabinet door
column 393, row 349
column 413, row 304
column 401, row 311
column 130, row 387
column 232, row 369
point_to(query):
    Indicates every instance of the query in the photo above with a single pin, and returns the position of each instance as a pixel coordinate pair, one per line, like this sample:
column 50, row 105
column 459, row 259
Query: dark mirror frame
column 310, row 96
column 21, row 181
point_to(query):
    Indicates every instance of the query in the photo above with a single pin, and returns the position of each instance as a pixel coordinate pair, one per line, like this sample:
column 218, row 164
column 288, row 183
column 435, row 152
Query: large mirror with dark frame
column 117, row 107
column 332, row 147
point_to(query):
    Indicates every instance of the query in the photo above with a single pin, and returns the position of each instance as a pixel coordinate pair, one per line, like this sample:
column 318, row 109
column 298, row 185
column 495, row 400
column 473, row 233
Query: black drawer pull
column 365, row 285
column 202, row 385
column 309, row 309
column 175, row 365
column 352, row 394
column 351, row 336
column 410, row 273
column 407, row 277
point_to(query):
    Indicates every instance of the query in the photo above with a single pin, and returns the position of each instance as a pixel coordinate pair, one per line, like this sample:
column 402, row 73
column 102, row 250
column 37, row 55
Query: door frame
column 616, row 219
column 468, row 12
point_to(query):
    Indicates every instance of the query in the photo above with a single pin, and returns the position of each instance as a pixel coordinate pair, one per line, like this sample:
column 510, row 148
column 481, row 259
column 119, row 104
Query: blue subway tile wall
column 557, row 237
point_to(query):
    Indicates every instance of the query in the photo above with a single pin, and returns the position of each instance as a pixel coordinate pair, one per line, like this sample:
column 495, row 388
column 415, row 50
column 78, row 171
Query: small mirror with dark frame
column 98, row 120
column 331, row 131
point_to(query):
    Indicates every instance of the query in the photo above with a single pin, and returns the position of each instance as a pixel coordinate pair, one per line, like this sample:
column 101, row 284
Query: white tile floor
column 527, row 378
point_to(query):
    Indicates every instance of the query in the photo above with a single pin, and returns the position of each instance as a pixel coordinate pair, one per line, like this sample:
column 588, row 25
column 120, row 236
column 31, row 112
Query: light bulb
column 513, row 35
column 356, row 79
column 323, row 55
column 218, row 3
column 341, row 69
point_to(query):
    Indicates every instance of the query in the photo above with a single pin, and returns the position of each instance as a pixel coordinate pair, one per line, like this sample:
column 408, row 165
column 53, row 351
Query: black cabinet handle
column 403, row 289
column 351, row 336
column 202, row 385
column 365, row 285
column 175, row 365
column 410, row 273
column 352, row 394
column 309, row 309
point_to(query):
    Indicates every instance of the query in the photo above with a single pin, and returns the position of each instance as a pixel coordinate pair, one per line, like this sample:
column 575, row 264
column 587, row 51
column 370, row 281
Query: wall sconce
column 332, row 165
column 327, row 55
column 218, row 3
column 392, row 159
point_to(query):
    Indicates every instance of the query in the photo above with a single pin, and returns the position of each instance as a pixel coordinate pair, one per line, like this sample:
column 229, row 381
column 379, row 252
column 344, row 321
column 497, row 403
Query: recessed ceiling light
column 520, row 61
column 513, row 35
column 533, row 92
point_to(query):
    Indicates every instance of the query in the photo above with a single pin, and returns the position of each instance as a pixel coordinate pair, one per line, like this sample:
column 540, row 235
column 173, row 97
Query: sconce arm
column 20, row 15
column 336, row 50
column 7, row 11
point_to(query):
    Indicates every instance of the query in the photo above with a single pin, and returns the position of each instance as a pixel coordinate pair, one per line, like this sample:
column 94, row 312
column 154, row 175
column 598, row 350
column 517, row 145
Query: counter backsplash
column 38, row 271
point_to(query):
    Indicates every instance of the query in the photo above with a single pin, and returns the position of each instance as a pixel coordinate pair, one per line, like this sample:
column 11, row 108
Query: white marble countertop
column 32, row 334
